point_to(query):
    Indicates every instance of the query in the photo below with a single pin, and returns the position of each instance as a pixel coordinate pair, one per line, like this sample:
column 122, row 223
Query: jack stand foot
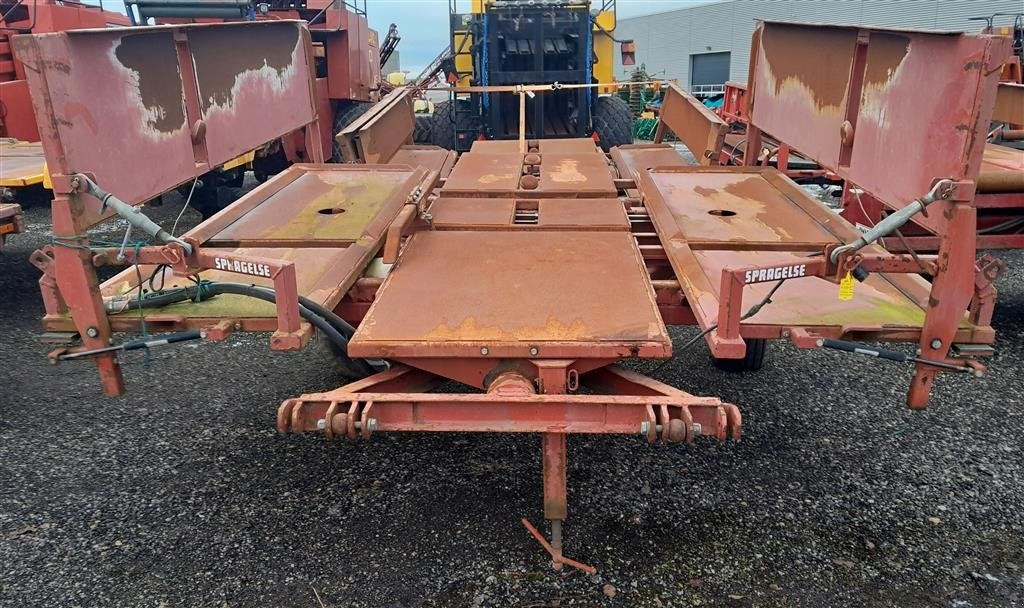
column 557, row 559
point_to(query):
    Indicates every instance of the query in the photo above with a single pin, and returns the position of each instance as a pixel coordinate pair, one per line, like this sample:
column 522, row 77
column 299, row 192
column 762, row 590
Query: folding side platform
column 330, row 220
column 713, row 219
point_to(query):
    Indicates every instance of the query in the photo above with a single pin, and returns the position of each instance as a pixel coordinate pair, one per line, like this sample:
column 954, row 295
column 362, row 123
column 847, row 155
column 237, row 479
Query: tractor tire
column 421, row 134
column 445, row 122
column 344, row 114
column 613, row 122
column 757, row 349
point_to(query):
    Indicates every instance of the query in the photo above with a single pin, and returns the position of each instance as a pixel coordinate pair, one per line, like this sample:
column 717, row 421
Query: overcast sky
column 423, row 24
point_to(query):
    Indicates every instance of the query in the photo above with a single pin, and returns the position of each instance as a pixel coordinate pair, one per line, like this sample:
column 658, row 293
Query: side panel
column 890, row 110
column 174, row 100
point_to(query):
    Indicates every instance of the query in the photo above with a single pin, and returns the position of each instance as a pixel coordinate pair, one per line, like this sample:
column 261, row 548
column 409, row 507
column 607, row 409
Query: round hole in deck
column 722, row 212
column 331, row 211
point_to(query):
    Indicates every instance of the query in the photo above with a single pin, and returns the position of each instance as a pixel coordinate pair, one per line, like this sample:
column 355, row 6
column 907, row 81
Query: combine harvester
column 526, row 269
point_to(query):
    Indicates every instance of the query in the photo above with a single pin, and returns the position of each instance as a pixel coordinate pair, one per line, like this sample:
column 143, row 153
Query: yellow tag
column 846, row 288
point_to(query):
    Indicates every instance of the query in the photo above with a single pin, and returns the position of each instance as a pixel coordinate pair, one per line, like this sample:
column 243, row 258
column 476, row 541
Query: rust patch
column 885, row 54
column 153, row 58
column 705, row 191
column 750, row 188
column 220, row 59
column 824, row 77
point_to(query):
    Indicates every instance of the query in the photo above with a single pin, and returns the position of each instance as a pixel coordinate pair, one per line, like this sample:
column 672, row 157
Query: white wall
column 665, row 41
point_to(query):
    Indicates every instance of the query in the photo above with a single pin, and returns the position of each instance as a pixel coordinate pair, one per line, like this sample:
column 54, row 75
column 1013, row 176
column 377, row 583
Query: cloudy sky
column 423, row 24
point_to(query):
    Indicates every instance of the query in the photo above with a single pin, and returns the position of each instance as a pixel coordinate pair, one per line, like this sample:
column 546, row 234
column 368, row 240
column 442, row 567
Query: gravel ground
column 182, row 494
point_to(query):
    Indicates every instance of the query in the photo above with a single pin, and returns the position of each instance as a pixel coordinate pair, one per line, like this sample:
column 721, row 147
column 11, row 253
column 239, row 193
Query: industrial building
column 705, row 45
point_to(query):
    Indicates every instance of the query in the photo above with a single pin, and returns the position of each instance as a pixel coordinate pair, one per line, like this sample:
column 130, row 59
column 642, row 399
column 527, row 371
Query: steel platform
column 497, row 302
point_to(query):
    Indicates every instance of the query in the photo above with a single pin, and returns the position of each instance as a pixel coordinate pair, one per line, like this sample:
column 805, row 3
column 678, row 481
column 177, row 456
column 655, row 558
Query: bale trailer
column 526, row 270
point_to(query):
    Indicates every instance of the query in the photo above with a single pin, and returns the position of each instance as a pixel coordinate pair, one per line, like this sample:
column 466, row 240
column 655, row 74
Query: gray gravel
column 181, row 493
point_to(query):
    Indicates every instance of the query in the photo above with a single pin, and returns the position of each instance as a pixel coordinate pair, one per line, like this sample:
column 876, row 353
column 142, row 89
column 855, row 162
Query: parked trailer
column 527, row 274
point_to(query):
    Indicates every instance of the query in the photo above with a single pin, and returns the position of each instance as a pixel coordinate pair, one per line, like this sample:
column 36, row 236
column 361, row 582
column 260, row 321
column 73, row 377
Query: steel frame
column 546, row 365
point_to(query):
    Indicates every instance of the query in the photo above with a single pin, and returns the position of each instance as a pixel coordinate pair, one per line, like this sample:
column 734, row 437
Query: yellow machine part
column 604, row 51
column 238, row 161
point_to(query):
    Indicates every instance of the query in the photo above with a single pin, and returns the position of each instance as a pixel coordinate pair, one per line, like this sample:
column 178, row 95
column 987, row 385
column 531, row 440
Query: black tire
column 30, row 196
column 421, row 134
column 613, row 122
column 757, row 349
column 445, row 122
column 237, row 179
column 210, row 200
column 344, row 114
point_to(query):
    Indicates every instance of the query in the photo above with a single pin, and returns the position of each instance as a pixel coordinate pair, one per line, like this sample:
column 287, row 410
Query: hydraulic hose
column 334, row 328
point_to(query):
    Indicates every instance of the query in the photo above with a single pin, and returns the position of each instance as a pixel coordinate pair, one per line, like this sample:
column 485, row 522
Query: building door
column 709, row 72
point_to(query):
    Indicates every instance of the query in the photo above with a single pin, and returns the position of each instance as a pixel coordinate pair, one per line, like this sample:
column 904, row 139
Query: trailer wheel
column 421, row 134
column 757, row 348
column 446, row 121
column 344, row 114
column 613, row 122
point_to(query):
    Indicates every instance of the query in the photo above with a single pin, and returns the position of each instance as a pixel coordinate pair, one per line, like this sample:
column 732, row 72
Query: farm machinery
column 501, row 44
column 21, row 156
column 526, row 269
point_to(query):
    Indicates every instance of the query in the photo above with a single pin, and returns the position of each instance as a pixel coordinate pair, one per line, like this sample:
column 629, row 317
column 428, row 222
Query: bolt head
column 321, row 424
column 484, row 351
column 534, row 350
column 92, row 332
column 936, row 343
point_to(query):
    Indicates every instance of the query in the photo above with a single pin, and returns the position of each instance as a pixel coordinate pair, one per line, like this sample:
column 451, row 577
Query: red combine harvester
column 525, row 269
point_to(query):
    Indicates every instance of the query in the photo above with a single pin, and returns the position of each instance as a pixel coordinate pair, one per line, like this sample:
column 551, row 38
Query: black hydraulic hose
column 189, row 293
column 356, row 368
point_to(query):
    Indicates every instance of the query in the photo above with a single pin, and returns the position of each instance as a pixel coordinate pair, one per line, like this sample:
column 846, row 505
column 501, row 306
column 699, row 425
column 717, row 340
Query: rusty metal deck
column 313, row 207
column 574, row 169
column 710, row 219
column 637, row 157
column 430, row 157
column 541, row 214
column 328, row 219
column 499, row 301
